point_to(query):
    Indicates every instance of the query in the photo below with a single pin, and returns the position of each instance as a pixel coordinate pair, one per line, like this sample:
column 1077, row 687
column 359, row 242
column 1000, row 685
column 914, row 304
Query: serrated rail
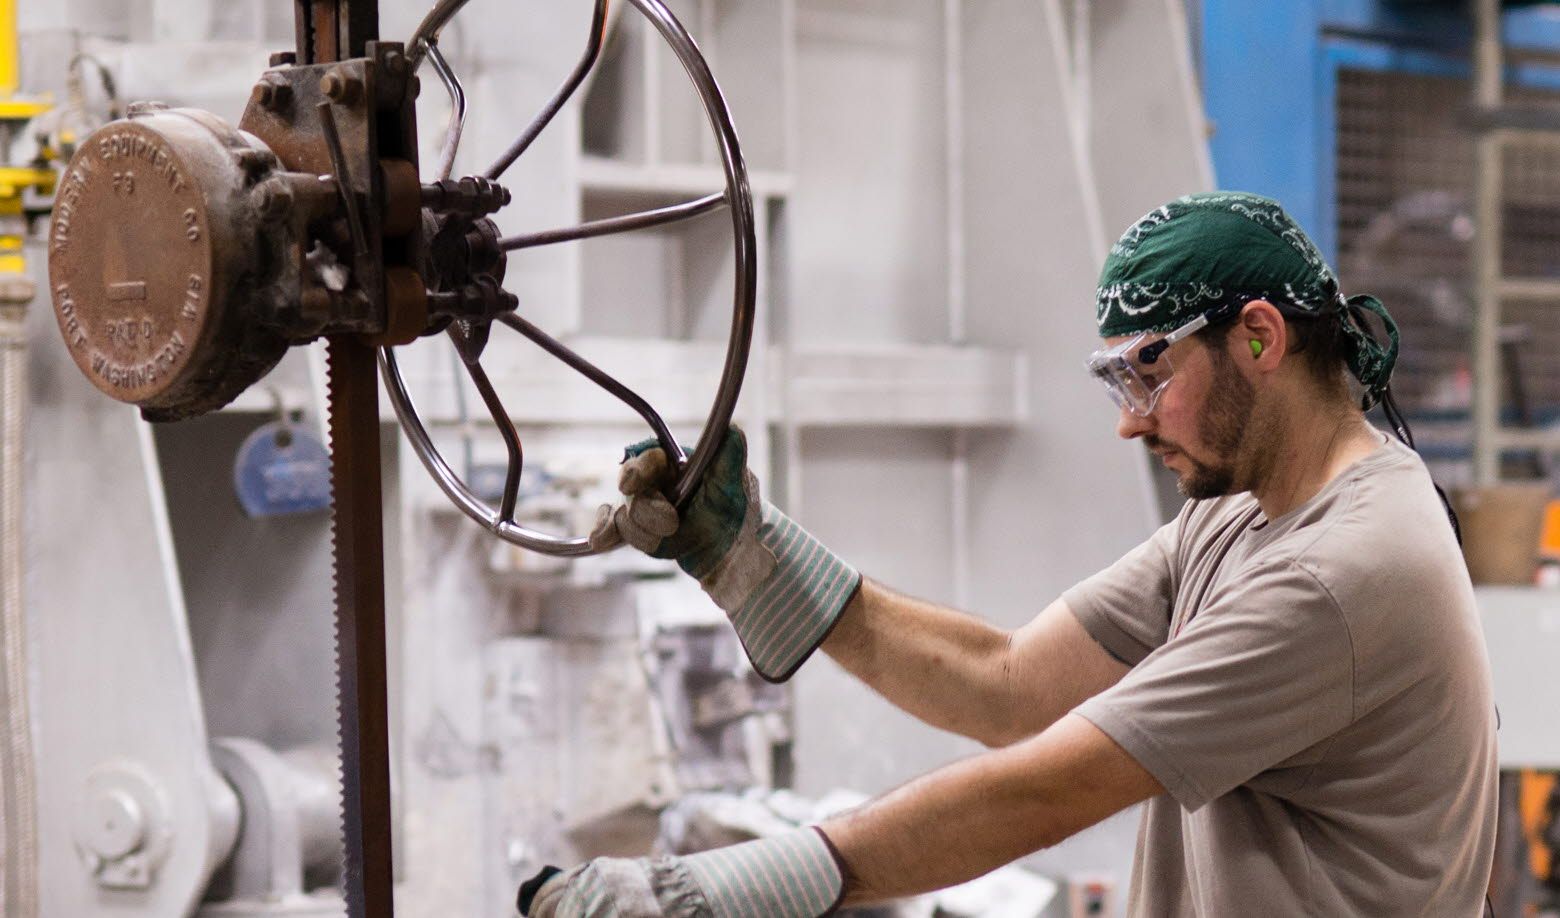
column 361, row 674
column 332, row 30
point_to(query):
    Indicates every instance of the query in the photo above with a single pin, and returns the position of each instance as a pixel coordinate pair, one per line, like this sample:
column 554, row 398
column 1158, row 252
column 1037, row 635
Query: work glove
column 781, row 588
column 794, row 875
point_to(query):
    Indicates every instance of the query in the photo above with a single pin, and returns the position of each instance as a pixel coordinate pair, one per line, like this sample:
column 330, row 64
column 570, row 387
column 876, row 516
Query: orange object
column 1536, row 804
column 1549, row 540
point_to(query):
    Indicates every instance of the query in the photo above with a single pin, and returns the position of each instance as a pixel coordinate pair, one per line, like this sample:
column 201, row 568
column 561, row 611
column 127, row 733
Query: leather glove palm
column 781, row 588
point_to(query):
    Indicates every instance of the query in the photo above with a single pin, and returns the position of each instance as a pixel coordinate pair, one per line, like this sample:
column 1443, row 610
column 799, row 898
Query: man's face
column 1198, row 427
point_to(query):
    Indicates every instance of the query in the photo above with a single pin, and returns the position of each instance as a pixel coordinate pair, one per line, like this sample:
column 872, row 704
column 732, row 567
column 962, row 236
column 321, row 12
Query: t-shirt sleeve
column 1264, row 671
column 1126, row 607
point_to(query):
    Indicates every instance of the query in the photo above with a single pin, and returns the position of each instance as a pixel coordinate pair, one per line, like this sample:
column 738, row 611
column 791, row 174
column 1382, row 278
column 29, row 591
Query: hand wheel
column 469, row 337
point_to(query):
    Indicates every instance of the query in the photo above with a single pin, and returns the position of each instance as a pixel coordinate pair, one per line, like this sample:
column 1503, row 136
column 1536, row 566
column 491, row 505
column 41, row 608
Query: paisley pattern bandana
column 1205, row 249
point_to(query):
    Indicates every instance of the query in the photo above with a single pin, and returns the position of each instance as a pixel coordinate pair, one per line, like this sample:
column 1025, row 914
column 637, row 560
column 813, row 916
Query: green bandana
column 1195, row 252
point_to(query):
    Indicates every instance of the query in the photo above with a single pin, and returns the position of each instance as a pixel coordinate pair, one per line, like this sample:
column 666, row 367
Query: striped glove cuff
column 793, row 875
column 789, row 613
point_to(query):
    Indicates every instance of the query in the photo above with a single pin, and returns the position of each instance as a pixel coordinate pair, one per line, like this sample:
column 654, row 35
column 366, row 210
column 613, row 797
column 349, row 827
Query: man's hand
column 782, row 589
column 713, row 539
column 793, row 875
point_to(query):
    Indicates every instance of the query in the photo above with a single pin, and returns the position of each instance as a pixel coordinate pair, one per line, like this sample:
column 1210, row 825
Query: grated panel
column 1404, row 187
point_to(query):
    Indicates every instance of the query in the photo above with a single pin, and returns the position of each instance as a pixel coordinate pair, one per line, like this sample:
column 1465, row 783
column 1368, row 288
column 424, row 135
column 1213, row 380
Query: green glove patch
column 713, row 517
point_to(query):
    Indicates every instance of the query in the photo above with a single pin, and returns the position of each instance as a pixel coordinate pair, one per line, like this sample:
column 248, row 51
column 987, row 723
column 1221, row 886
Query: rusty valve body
column 187, row 255
column 161, row 254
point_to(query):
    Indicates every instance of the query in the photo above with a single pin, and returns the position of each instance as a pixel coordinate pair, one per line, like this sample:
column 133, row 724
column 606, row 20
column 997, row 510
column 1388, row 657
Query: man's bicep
column 1053, row 665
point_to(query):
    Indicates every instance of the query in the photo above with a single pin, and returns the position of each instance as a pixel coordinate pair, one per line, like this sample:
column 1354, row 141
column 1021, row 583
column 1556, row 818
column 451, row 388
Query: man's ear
column 1261, row 335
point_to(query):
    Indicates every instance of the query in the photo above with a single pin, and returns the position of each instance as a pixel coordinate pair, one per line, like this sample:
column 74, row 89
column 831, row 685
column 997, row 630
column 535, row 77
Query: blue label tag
column 282, row 468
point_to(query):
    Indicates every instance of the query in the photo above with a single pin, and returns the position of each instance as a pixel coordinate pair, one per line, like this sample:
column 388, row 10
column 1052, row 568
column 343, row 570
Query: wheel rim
column 738, row 196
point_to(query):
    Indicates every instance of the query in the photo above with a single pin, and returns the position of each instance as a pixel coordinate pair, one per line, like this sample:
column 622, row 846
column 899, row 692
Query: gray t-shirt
column 1314, row 693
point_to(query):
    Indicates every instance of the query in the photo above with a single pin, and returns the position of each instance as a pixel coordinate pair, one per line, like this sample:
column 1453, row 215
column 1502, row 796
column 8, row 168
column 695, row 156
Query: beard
column 1222, row 429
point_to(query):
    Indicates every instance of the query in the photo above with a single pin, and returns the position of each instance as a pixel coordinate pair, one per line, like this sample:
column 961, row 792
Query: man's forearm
column 948, row 827
column 942, row 666
column 969, row 818
column 959, row 673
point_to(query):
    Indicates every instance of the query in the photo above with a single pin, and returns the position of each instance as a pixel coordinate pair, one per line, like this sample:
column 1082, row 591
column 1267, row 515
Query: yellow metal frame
column 10, row 67
column 22, row 109
column 15, row 180
column 12, row 108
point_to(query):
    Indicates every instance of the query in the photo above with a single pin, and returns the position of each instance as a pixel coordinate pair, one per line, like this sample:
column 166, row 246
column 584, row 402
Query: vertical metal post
column 18, row 787
column 18, row 784
column 958, row 331
column 10, row 64
column 333, row 30
column 1082, row 64
column 1489, row 182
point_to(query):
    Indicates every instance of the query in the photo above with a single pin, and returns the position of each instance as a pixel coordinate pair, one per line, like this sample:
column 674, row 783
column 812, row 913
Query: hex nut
column 272, row 93
column 273, row 199
column 340, row 87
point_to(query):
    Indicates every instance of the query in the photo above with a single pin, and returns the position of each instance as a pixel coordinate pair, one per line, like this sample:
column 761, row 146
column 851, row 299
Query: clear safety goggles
column 1135, row 372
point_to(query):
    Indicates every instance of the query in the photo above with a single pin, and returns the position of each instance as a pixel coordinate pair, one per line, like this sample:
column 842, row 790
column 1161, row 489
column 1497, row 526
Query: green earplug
column 1256, row 348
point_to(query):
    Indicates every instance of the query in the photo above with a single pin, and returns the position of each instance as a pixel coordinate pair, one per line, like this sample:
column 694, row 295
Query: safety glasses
column 1136, row 372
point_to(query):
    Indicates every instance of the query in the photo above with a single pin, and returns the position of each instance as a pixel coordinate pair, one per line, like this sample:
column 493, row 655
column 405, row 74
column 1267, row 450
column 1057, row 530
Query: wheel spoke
column 428, row 30
column 738, row 199
column 590, row 371
column 626, row 223
column 598, row 30
column 506, row 429
column 457, row 122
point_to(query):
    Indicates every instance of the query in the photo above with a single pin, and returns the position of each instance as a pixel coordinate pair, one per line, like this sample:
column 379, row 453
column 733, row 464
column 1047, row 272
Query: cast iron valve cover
column 165, row 259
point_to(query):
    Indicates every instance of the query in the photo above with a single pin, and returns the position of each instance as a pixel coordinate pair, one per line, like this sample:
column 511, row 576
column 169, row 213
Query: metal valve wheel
column 737, row 198
column 187, row 255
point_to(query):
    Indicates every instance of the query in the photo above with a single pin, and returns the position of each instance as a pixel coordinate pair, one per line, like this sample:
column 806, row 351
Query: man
column 1291, row 672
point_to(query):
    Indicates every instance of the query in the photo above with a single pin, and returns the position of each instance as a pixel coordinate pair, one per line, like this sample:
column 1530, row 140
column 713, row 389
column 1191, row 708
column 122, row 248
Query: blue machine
column 1270, row 74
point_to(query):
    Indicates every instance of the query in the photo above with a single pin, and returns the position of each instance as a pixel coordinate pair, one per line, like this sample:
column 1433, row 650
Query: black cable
column 1389, row 407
